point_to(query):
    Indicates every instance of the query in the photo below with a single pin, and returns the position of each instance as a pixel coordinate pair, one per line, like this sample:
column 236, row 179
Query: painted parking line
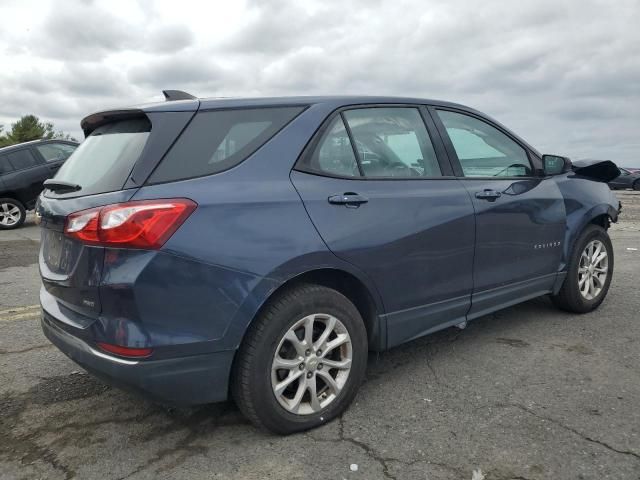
column 20, row 313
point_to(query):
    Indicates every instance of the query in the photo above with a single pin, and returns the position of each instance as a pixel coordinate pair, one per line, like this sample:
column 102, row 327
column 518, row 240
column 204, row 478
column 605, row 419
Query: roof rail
column 171, row 95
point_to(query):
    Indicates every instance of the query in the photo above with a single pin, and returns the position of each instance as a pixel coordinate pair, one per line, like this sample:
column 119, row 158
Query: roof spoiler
column 172, row 95
column 93, row 121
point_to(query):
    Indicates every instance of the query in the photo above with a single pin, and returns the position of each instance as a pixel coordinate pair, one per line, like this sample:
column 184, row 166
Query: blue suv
column 195, row 249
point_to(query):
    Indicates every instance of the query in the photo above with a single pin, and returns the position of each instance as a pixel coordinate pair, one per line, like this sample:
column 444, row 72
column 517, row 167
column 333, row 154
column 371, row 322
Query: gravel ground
column 526, row 393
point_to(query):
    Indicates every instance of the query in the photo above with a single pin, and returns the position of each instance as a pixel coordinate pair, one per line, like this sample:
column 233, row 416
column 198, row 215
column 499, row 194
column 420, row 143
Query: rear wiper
column 59, row 186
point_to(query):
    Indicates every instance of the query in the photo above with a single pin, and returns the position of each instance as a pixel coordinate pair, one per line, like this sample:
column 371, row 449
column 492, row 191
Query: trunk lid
column 71, row 271
column 121, row 149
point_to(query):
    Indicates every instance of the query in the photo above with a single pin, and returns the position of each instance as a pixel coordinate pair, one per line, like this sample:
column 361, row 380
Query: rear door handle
column 348, row 199
column 489, row 195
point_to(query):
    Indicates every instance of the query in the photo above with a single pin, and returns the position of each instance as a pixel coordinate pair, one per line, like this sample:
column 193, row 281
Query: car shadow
column 73, row 409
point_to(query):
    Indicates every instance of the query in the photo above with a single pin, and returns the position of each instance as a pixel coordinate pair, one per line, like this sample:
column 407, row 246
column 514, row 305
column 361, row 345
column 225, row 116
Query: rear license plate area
column 52, row 248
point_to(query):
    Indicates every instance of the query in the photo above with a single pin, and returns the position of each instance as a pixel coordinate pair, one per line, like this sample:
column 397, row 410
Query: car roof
column 335, row 100
column 90, row 122
column 34, row 142
column 236, row 102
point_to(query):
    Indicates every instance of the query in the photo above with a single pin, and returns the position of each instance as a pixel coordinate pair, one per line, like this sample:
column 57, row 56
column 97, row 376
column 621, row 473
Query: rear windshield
column 217, row 140
column 102, row 162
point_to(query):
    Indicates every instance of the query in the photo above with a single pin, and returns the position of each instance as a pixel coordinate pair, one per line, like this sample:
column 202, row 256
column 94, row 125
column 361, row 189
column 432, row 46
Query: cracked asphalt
column 526, row 393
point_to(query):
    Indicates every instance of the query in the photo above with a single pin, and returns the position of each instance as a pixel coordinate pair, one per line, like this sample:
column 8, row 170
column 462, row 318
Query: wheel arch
column 601, row 215
column 603, row 220
column 348, row 284
column 13, row 196
column 368, row 302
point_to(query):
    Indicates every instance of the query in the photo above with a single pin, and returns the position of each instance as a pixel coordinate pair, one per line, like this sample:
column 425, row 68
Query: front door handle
column 349, row 199
column 489, row 195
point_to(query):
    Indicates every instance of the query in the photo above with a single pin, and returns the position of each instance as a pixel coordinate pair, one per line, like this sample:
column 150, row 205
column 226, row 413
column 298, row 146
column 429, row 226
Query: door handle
column 489, row 195
column 54, row 168
column 348, row 199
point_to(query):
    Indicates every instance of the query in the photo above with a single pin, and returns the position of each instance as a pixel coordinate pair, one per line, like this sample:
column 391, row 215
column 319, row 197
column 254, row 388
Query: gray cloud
column 90, row 31
column 276, row 26
column 564, row 74
column 85, row 32
column 168, row 38
column 179, row 71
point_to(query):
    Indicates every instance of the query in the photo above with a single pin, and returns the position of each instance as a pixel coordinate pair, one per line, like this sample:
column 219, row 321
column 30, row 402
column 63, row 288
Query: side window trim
column 441, row 153
column 451, row 152
column 446, row 141
column 353, row 143
column 446, row 166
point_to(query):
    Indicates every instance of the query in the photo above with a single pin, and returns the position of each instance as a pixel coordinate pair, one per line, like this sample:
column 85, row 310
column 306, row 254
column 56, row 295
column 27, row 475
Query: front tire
column 12, row 214
column 302, row 360
column 589, row 272
column 636, row 185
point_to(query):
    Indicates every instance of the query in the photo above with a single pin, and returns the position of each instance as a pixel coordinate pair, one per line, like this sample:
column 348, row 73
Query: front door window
column 482, row 149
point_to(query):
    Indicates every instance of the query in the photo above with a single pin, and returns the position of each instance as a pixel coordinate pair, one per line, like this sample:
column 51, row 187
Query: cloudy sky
column 564, row 74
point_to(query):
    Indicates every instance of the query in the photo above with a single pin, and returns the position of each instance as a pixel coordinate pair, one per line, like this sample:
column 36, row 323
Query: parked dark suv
column 23, row 169
column 627, row 179
column 259, row 248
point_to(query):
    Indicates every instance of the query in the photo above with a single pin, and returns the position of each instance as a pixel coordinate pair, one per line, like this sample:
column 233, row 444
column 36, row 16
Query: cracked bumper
column 181, row 381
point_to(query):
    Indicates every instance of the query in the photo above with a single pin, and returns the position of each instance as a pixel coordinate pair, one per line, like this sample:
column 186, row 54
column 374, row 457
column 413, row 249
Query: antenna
column 171, row 95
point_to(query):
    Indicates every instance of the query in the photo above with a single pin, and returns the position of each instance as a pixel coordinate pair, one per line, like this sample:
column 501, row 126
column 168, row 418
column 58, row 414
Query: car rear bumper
column 181, row 381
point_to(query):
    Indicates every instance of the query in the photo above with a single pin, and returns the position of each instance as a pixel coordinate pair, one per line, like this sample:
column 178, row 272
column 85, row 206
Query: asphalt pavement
column 527, row 393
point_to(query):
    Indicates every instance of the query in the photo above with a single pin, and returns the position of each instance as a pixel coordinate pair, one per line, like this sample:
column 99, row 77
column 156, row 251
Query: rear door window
column 103, row 162
column 22, row 159
column 55, row 152
column 5, row 166
column 392, row 142
column 334, row 154
column 217, row 140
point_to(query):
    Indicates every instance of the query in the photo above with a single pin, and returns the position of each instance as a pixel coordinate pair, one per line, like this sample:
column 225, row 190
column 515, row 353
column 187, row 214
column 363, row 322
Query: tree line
column 28, row 128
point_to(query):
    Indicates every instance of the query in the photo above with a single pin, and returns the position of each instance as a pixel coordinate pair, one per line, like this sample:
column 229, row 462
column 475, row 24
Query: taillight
column 126, row 351
column 146, row 224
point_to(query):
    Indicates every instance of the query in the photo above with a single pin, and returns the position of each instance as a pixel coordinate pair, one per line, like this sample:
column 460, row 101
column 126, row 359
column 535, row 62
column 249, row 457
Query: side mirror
column 555, row 164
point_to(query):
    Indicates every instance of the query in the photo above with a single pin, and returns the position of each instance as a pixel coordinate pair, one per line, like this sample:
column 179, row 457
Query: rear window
column 102, row 162
column 5, row 166
column 22, row 159
column 55, row 152
column 217, row 140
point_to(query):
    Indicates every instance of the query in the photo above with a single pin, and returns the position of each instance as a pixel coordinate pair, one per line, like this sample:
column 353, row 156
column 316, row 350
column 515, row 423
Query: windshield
column 104, row 160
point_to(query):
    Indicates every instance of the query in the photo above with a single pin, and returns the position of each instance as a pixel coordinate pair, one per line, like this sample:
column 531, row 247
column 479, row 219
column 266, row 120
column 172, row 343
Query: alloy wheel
column 10, row 214
column 311, row 364
column 593, row 269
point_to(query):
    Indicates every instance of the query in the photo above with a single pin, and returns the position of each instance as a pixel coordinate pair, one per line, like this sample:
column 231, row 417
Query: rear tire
column 636, row 185
column 256, row 382
column 12, row 214
column 589, row 272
